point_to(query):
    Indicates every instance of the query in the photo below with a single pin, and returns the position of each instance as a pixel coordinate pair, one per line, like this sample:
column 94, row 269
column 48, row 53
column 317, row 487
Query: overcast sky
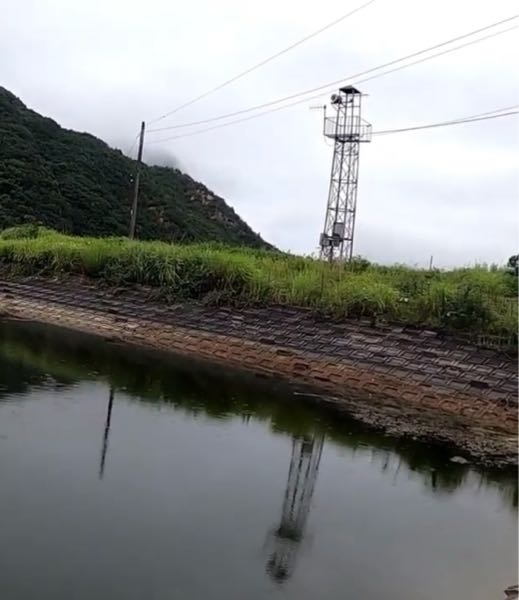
column 102, row 67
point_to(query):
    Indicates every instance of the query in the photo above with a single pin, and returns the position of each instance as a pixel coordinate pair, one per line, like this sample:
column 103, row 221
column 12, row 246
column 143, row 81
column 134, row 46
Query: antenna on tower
column 347, row 129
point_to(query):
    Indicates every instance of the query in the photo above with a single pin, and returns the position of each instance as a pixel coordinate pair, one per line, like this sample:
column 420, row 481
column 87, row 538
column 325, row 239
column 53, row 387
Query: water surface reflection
column 169, row 479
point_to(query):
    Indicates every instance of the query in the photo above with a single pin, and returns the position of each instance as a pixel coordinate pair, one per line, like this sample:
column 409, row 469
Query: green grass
column 478, row 300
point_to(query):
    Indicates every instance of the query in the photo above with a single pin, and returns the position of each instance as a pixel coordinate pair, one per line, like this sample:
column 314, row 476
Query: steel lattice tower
column 348, row 130
column 302, row 475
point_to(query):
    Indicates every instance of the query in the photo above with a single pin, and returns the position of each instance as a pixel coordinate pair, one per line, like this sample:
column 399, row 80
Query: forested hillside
column 75, row 183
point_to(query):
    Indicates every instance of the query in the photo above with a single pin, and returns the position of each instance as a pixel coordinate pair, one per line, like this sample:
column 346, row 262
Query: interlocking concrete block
column 386, row 367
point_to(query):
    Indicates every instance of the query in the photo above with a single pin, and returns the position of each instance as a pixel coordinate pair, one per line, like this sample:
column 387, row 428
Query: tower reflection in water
column 302, row 475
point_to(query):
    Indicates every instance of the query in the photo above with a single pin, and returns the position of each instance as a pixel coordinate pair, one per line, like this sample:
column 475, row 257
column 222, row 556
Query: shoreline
column 405, row 383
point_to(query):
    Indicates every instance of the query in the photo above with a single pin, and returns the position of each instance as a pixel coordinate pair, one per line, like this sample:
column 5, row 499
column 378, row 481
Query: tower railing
column 355, row 129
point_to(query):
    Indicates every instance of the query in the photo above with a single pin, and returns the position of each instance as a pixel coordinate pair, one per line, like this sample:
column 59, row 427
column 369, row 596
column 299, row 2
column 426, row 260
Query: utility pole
column 133, row 218
column 347, row 129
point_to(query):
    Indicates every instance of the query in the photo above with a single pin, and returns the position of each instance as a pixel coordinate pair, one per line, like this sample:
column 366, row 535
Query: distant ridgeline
column 75, row 183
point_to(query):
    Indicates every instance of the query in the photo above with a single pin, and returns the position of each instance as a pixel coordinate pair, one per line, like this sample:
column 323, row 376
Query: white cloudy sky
column 104, row 66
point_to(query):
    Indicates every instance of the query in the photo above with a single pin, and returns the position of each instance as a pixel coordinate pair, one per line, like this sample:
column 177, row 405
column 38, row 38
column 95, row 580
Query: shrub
column 20, row 232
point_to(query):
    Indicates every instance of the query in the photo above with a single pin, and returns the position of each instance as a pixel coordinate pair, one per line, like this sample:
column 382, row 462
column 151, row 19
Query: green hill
column 75, row 183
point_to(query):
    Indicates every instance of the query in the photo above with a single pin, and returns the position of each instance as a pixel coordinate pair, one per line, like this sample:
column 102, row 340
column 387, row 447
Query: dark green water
column 128, row 476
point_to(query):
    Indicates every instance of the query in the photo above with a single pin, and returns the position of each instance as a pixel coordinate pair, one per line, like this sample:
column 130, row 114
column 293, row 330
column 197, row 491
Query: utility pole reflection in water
column 106, row 433
column 302, row 475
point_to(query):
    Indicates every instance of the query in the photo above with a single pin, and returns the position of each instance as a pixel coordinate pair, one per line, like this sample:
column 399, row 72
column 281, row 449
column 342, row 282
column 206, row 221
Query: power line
column 299, row 101
column 449, row 121
column 366, row 72
column 446, row 123
column 322, row 87
column 129, row 151
column 479, row 117
column 264, row 61
column 448, row 51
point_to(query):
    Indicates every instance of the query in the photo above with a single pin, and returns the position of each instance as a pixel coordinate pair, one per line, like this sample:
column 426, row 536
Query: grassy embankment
column 478, row 300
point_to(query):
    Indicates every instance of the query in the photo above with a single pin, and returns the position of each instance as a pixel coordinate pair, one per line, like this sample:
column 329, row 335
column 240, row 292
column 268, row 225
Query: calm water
column 126, row 476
